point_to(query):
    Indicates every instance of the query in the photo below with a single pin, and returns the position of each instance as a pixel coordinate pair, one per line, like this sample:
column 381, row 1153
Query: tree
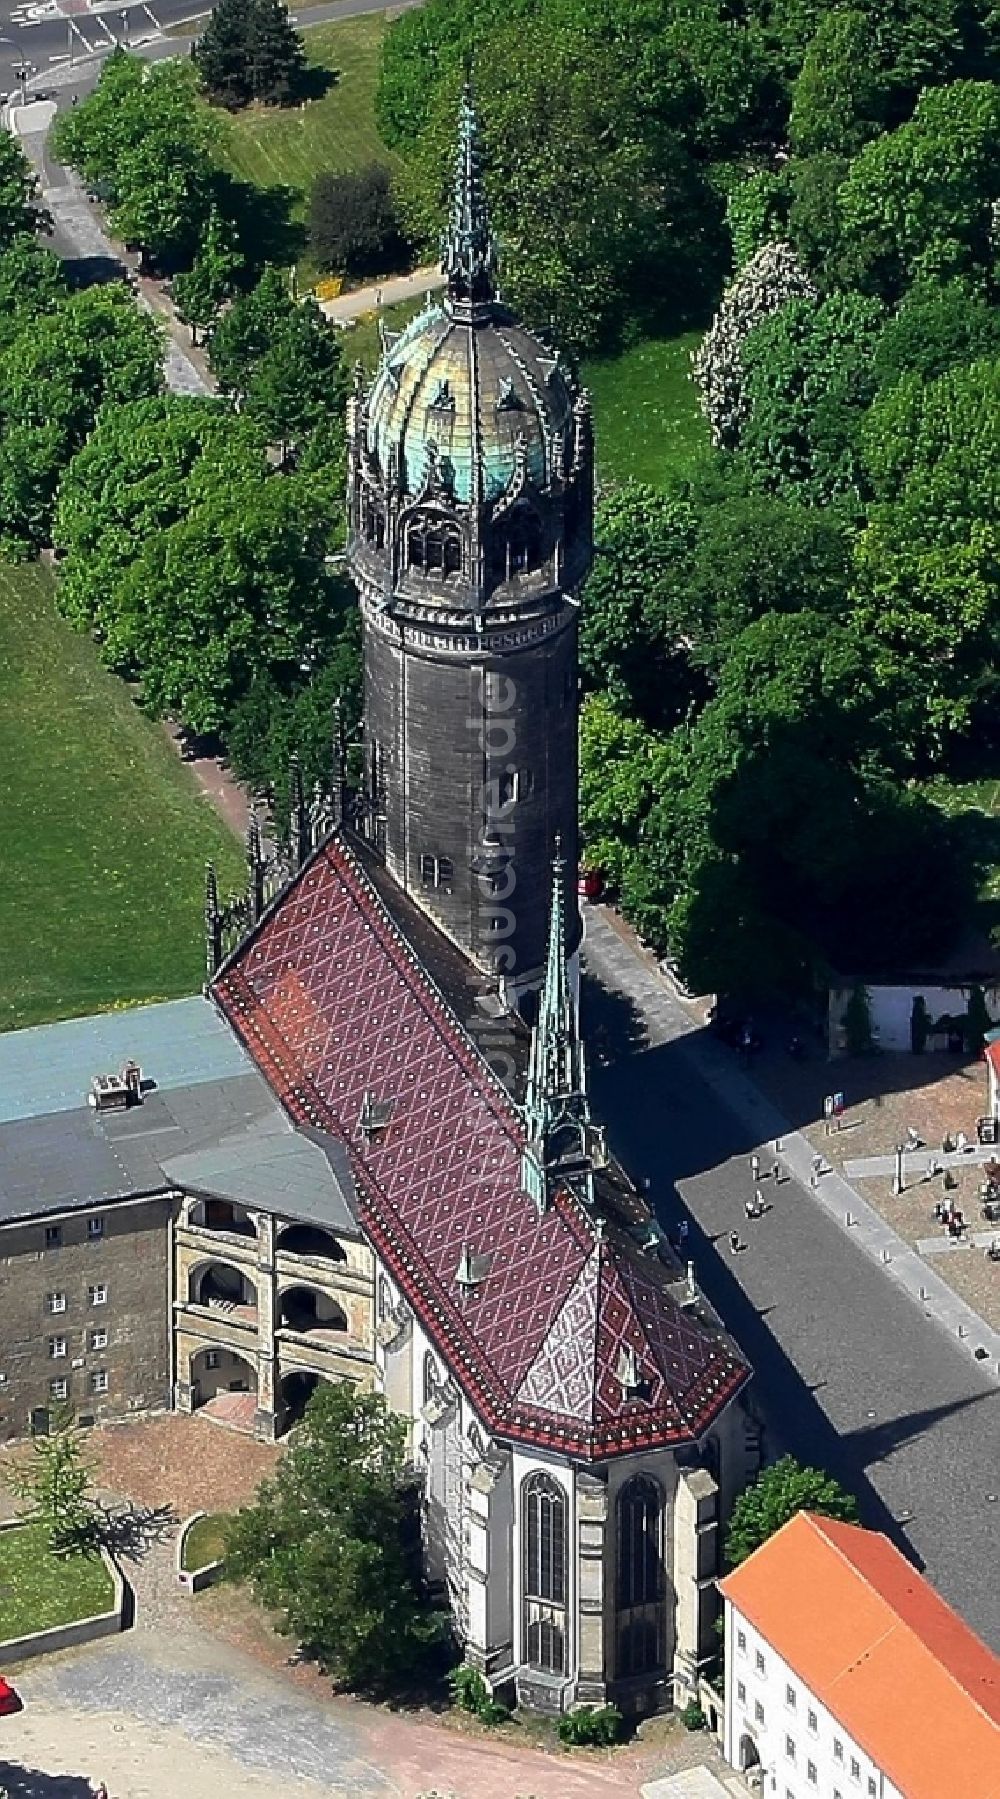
column 275, row 53
column 772, row 277
column 273, row 721
column 756, row 213
column 353, row 223
column 20, row 213
column 324, row 1544
column 57, row 1484
column 32, row 282
column 636, row 608
column 201, row 292
column 141, row 141
column 146, row 465
column 939, row 326
column 808, row 379
column 777, row 1494
column 759, row 553
column 919, row 201
column 245, row 332
column 928, row 591
column 220, row 54
column 838, row 99
column 297, row 382
column 618, row 779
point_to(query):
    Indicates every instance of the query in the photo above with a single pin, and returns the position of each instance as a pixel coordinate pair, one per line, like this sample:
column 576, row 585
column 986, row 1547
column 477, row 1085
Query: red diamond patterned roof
column 332, row 1003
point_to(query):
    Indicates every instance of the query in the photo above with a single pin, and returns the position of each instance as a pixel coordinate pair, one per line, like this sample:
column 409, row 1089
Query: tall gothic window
column 640, row 1582
column 543, row 1505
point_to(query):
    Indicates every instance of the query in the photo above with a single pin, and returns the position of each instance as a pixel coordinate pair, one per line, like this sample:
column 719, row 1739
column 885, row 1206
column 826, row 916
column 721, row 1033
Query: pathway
column 393, row 289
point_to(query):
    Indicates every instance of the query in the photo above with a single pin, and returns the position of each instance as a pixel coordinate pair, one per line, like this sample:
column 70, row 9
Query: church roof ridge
column 332, row 1002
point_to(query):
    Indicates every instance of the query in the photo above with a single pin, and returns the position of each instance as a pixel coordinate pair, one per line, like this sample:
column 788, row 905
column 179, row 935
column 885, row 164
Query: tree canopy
column 325, row 1543
column 249, row 50
column 781, row 1490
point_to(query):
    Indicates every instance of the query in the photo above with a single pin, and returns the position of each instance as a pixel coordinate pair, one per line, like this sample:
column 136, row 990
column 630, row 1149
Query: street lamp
column 898, row 1176
column 21, row 73
column 123, row 20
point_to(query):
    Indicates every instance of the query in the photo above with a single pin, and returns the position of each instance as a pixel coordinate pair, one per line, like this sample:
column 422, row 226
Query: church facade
column 351, row 1159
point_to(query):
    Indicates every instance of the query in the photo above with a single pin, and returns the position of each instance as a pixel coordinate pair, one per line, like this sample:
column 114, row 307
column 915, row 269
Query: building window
column 838, row 1749
column 98, row 1295
column 790, row 1748
column 758, row 1711
column 790, row 1697
column 53, row 1236
column 436, row 871
column 855, row 1769
column 99, row 1339
column 812, row 1721
column 55, row 1302
column 640, row 1577
column 741, row 1640
column 58, row 1389
column 430, row 1380
column 543, row 1505
column 811, row 1774
column 57, row 1347
column 211, row 1358
column 872, row 1788
column 99, row 1381
column 741, row 1692
column 760, row 1662
column 95, row 1228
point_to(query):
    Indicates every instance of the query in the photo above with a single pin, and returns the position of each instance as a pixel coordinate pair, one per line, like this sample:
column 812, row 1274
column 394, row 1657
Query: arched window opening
column 523, row 552
column 431, row 1381
column 640, row 1578
column 433, row 548
column 545, row 1579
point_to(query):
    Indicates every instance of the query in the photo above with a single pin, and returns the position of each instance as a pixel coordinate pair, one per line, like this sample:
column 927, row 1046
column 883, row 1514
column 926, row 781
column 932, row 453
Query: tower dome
column 470, row 525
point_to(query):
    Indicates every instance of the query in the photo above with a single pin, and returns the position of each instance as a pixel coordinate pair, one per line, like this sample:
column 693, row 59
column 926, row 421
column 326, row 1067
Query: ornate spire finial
column 469, row 252
column 556, row 1108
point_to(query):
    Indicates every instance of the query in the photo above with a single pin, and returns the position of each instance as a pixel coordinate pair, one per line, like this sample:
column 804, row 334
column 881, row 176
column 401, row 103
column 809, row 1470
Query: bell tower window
column 433, row 548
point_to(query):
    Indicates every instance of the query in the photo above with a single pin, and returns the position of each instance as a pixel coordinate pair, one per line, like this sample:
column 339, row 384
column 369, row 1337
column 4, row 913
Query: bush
column 692, row 1717
column 470, row 1693
column 600, row 1726
column 353, row 224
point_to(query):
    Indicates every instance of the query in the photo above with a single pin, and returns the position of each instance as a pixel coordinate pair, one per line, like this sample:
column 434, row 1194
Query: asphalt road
column 850, row 1374
column 62, row 44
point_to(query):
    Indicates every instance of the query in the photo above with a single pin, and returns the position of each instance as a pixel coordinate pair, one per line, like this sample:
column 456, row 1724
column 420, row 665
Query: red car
column 591, row 883
column 9, row 1701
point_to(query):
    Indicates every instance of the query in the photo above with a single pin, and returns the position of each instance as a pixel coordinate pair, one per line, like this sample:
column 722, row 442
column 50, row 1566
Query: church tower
column 470, row 516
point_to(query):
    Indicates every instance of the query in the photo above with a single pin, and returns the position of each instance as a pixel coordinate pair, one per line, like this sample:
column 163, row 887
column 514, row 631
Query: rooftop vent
column 472, row 1270
column 629, row 1373
column 375, row 1115
column 113, row 1092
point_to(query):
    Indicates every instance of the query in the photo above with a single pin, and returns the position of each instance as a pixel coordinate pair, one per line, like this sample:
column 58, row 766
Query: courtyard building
column 848, row 1677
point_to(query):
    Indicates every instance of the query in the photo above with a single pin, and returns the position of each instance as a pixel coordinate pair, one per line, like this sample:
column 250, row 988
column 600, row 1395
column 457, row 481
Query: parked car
column 590, row 884
column 9, row 1701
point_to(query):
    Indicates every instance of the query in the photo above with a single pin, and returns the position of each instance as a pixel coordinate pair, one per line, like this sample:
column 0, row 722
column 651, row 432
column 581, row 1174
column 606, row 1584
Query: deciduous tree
column 324, row 1543
column 776, row 1495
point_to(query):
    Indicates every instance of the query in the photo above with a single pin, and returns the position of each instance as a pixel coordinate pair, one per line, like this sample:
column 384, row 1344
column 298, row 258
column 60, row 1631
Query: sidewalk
column 610, row 935
column 395, row 288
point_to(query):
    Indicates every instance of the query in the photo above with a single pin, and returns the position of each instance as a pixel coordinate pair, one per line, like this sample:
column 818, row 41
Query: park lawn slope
column 287, row 146
column 39, row 1590
column 647, row 422
column 105, row 835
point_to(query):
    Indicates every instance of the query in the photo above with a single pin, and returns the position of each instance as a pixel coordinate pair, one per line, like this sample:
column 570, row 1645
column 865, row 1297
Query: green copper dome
column 478, row 396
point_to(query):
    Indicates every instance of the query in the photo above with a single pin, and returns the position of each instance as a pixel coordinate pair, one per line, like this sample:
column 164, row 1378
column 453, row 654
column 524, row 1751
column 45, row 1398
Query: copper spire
column 469, row 253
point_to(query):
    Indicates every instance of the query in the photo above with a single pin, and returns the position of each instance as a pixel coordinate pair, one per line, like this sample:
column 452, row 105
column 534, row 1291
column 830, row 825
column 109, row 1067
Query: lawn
column 204, row 1541
column 286, row 147
column 105, row 835
column 39, row 1590
column 647, row 424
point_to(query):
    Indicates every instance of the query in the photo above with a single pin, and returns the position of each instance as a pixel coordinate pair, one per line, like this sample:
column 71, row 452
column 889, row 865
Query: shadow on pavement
column 19, row 1782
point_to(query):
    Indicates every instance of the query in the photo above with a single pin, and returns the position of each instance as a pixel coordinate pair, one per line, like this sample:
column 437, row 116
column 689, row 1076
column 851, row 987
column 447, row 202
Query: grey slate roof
column 180, row 1043
column 209, row 1119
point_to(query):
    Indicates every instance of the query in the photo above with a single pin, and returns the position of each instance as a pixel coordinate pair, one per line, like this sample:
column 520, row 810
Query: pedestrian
column 101, row 1791
column 776, row 1172
column 378, row 296
column 814, row 1180
column 682, row 1233
column 755, row 1167
column 758, row 1201
column 734, row 1241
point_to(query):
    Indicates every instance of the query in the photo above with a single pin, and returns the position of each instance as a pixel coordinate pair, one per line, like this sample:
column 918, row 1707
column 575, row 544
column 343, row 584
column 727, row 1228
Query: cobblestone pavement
column 185, row 1462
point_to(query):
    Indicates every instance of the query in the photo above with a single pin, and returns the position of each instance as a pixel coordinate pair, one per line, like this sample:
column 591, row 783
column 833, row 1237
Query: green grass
column 361, row 340
column 39, row 1590
column 204, row 1541
column 647, row 425
column 105, row 835
column 286, row 147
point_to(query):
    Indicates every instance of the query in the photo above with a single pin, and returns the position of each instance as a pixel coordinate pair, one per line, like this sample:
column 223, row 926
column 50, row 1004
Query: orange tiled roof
column 907, row 1679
